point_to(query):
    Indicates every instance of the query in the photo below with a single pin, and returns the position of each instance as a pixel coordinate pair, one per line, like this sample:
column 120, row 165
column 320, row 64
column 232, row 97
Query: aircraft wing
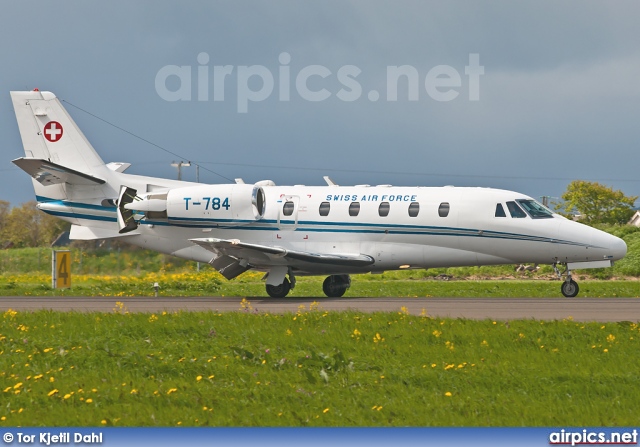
column 235, row 255
column 49, row 173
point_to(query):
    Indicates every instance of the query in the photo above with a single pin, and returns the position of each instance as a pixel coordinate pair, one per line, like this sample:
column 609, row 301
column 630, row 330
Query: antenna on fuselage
column 329, row 181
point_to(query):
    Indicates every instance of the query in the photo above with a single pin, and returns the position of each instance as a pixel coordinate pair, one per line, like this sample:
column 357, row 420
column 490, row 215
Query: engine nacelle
column 216, row 205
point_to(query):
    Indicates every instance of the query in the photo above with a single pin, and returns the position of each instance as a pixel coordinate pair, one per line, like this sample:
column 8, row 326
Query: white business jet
column 291, row 231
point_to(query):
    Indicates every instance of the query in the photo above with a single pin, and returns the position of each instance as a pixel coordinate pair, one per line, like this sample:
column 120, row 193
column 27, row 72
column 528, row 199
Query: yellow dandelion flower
column 326, row 410
column 448, row 394
column 51, row 379
column 52, row 392
column 133, row 391
column 89, row 401
column 198, row 379
column 67, row 396
column 103, row 422
column 17, row 385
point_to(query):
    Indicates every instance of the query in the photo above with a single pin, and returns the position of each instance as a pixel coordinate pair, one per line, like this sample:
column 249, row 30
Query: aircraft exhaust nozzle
column 147, row 205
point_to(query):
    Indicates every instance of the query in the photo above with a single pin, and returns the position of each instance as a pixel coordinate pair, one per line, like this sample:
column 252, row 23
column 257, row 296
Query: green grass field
column 127, row 272
column 313, row 368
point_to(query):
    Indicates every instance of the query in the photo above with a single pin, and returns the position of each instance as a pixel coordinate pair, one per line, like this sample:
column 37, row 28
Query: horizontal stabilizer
column 243, row 250
column 81, row 233
column 48, row 173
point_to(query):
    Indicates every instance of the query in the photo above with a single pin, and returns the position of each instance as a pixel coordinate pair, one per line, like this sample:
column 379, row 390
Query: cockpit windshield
column 515, row 211
column 535, row 210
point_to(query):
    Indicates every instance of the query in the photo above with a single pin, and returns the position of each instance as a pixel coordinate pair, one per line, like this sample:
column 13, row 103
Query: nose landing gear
column 569, row 287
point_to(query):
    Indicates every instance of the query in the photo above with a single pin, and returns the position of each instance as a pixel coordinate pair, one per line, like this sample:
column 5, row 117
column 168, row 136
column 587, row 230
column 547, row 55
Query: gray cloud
column 558, row 99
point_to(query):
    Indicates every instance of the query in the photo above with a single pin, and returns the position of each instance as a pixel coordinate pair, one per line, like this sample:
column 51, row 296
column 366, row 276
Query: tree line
column 27, row 226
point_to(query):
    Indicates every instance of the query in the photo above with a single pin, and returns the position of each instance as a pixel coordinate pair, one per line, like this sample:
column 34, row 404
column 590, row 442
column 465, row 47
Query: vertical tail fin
column 49, row 134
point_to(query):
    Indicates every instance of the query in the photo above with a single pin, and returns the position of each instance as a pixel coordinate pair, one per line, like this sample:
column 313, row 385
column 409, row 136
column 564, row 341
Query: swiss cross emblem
column 53, row 131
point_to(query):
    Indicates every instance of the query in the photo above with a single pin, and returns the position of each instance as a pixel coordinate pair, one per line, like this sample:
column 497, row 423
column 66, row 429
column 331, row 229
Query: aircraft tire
column 335, row 286
column 279, row 291
column 570, row 289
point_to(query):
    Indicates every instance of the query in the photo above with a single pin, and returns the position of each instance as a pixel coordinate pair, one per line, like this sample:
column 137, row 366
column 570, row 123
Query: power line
column 359, row 171
column 427, row 174
column 142, row 139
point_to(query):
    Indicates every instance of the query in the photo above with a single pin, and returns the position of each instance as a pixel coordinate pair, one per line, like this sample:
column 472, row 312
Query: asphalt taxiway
column 579, row 309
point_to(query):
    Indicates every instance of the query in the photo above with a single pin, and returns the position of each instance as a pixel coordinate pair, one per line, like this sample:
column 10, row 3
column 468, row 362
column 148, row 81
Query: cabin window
column 354, row 209
column 414, row 209
column 515, row 211
column 383, row 209
column 325, row 207
column 443, row 209
column 535, row 210
column 288, row 208
column 500, row 211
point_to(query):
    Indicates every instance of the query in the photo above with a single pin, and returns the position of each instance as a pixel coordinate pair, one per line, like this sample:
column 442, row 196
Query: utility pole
column 198, row 181
column 545, row 201
column 179, row 165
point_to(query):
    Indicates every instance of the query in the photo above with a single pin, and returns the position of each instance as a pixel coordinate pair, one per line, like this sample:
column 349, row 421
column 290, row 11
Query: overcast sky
column 558, row 100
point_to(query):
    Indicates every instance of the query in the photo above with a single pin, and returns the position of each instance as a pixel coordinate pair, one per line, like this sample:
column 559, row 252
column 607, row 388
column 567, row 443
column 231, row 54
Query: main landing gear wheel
column 279, row 291
column 570, row 288
column 336, row 285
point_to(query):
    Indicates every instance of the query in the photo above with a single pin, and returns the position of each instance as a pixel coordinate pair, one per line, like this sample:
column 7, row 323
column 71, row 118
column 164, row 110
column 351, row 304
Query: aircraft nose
column 618, row 248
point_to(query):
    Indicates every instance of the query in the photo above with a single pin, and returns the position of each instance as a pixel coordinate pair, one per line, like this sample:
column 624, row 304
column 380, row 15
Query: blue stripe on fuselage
column 309, row 226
